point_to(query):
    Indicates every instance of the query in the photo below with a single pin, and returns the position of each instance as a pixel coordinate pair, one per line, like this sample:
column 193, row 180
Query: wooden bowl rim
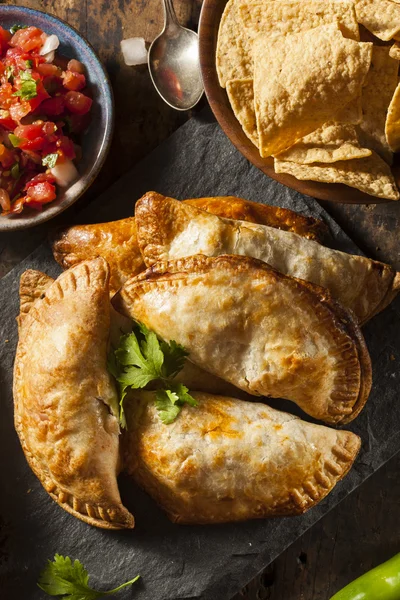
column 210, row 17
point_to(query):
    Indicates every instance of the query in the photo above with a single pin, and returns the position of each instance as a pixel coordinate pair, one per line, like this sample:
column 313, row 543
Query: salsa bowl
column 96, row 139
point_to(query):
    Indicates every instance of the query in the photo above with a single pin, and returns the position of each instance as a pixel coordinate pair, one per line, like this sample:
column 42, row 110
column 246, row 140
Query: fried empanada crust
column 65, row 401
column 264, row 332
column 240, row 209
column 168, row 230
column 230, row 460
column 32, row 287
column 117, row 243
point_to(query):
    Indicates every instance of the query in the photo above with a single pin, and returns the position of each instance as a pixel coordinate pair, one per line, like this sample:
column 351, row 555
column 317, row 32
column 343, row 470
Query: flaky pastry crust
column 168, row 229
column 64, row 398
column 116, row 241
column 258, row 329
column 229, row 460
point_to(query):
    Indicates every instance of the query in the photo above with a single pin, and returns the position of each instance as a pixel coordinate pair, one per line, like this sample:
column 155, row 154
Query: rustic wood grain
column 365, row 528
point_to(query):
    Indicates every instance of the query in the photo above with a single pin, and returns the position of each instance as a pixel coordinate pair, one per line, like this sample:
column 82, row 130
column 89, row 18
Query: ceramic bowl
column 96, row 140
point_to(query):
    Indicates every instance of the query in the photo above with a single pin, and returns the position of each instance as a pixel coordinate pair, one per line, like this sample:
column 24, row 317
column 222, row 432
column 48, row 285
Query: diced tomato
column 29, row 132
column 40, row 178
column 6, row 95
column 74, row 81
column 77, row 103
column 19, row 110
column 28, row 39
column 53, row 106
column 6, row 121
column 47, row 69
column 5, row 37
column 7, row 157
column 76, row 66
column 42, row 192
column 66, row 146
column 41, row 95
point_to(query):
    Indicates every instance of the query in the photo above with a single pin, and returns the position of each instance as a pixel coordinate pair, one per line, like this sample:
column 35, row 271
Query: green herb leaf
column 15, row 140
column 16, row 28
column 174, row 358
column 68, row 579
column 169, row 402
column 166, row 405
column 29, row 64
column 28, row 89
column 15, row 172
column 141, row 358
column 50, row 160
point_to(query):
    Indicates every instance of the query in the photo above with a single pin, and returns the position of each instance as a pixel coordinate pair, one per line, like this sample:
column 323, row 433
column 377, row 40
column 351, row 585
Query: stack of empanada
column 260, row 305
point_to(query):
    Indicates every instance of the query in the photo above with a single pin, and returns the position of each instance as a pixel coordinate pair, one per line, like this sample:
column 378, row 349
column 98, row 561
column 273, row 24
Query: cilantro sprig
column 141, row 358
column 70, row 580
column 28, row 89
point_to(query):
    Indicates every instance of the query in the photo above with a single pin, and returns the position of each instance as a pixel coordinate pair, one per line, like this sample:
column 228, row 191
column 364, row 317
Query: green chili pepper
column 381, row 583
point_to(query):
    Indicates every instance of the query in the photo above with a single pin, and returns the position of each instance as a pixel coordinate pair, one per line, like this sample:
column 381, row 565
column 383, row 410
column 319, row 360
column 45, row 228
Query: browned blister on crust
column 115, row 241
column 167, row 230
column 65, row 401
column 32, row 287
column 231, row 207
column 258, row 329
column 229, row 460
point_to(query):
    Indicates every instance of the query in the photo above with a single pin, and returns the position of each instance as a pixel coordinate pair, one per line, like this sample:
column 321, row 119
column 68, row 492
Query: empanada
column 229, row 460
column 66, row 405
column 262, row 331
column 168, row 229
column 117, row 243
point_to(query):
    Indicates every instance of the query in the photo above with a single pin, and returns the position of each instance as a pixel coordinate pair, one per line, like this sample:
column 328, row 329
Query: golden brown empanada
column 66, row 405
column 262, row 331
column 168, row 229
column 229, row 460
column 117, row 242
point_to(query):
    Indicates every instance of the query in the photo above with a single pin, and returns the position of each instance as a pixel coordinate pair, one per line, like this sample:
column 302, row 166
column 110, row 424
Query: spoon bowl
column 174, row 64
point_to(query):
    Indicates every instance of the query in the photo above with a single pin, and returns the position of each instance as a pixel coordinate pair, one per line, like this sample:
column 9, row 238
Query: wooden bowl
column 217, row 97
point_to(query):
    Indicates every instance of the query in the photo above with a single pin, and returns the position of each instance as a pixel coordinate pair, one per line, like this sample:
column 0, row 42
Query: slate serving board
column 175, row 562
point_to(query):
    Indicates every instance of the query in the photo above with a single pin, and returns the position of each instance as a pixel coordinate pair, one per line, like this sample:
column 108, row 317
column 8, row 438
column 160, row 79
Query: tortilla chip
column 378, row 90
column 241, row 96
column 234, row 47
column 302, row 80
column 283, row 18
column 392, row 126
column 233, row 56
column 370, row 175
column 380, row 17
column 351, row 113
column 394, row 51
column 330, row 143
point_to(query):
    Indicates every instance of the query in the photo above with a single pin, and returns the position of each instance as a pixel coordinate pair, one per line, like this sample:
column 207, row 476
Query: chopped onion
column 50, row 56
column 65, row 173
column 134, row 51
column 51, row 43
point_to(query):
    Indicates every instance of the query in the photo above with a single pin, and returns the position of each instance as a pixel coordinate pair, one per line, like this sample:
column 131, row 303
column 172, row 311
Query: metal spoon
column 174, row 63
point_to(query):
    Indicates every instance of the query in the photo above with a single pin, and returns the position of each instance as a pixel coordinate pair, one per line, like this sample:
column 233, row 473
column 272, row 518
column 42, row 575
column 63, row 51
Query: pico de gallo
column 44, row 107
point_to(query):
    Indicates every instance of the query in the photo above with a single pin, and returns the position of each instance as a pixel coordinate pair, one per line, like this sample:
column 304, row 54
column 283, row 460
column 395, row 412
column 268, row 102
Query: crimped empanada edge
column 105, row 517
column 342, row 319
column 300, row 500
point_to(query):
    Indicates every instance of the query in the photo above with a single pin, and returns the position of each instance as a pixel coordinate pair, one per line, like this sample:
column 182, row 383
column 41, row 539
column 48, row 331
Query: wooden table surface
column 365, row 528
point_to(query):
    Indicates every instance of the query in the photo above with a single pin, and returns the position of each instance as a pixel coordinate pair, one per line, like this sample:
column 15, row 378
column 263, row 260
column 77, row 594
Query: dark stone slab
column 176, row 562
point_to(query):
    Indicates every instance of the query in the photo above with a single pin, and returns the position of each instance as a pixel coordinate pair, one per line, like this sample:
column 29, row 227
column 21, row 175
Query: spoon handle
column 170, row 15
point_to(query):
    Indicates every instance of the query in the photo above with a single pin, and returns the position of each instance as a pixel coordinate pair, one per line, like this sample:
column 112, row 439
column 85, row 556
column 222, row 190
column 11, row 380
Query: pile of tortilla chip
column 309, row 93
